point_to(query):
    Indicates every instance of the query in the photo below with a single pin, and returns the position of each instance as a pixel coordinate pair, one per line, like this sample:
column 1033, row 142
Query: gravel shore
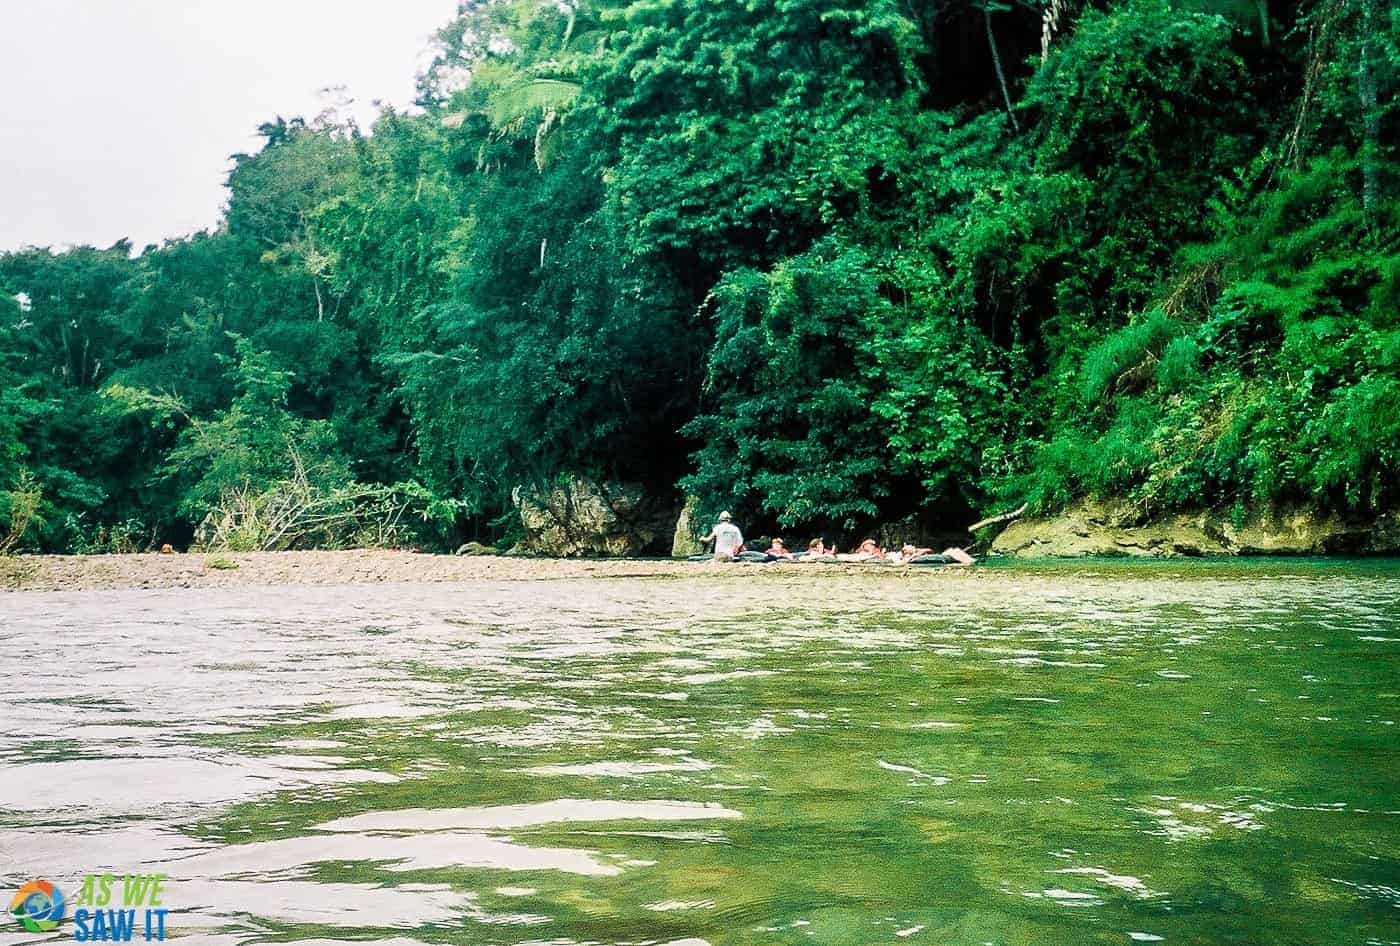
column 360, row 566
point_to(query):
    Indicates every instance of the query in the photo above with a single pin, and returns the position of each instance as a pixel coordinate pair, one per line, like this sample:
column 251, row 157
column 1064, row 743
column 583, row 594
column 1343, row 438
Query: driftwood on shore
column 1016, row 513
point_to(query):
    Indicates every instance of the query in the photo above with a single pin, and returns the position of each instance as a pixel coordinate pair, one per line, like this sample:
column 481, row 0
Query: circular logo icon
column 38, row 906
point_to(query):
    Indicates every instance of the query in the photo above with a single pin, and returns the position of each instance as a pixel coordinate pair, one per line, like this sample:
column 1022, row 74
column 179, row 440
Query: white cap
column 725, row 516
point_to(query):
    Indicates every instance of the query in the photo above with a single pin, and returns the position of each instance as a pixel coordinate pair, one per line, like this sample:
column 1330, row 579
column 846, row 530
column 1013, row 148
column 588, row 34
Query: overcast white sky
column 117, row 117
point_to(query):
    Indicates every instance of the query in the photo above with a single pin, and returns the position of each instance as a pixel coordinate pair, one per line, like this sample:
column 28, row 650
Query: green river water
column 1086, row 753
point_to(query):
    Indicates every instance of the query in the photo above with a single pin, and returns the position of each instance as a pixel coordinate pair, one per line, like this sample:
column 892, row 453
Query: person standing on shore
column 729, row 541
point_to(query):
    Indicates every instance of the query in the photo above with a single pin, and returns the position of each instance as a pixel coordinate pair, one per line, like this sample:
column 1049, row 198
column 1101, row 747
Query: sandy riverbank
column 359, row 566
column 362, row 566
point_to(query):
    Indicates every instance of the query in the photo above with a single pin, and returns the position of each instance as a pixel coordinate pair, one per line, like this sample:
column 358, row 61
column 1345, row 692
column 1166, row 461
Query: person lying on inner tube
column 918, row 556
column 867, row 551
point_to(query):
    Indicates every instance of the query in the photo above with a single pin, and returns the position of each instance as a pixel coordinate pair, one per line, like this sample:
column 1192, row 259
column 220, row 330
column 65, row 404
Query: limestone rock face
column 582, row 517
column 1094, row 529
column 1385, row 537
column 685, row 541
column 1295, row 533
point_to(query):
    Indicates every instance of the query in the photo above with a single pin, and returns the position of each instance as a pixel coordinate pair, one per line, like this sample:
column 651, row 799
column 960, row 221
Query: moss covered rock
column 686, row 539
column 581, row 517
column 1095, row 529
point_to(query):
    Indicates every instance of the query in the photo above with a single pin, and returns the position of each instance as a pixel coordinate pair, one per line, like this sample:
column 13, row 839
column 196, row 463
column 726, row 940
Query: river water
column 1012, row 755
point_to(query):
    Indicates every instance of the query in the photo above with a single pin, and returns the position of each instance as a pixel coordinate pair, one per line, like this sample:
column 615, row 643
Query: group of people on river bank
column 729, row 547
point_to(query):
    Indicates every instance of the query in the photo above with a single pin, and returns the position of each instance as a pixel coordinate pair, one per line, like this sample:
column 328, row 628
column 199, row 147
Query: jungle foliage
column 825, row 263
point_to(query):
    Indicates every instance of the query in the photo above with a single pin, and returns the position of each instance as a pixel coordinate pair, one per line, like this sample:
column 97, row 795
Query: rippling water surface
column 1010, row 756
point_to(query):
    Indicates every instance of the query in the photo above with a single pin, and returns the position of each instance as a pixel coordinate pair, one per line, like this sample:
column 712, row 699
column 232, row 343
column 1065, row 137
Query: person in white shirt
column 729, row 541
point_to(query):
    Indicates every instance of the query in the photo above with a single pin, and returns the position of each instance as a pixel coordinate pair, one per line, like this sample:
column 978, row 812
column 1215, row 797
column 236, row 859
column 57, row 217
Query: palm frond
column 529, row 97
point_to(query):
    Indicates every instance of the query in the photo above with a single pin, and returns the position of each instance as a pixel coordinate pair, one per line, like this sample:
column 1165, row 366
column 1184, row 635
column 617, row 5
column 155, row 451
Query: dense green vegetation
column 826, row 263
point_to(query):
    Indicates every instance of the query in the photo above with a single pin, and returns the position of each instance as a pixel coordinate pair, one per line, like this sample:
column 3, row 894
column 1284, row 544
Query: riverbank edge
column 1084, row 531
column 369, row 566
